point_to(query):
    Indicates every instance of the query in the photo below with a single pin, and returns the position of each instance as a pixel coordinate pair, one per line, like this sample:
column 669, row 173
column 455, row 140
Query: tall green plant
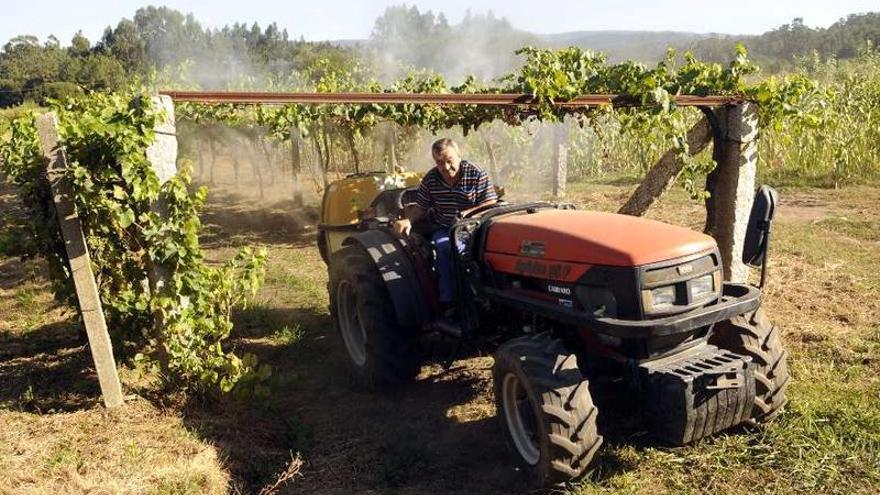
column 839, row 141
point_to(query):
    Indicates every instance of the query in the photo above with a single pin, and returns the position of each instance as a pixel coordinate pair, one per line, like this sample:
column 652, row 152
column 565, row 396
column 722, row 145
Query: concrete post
column 296, row 164
column 162, row 155
column 80, row 263
column 732, row 185
column 560, row 160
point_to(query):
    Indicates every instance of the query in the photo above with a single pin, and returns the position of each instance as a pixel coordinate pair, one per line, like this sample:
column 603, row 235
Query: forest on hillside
column 159, row 42
column 779, row 47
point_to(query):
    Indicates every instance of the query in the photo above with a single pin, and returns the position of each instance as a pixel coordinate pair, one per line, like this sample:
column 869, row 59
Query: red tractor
column 583, row 296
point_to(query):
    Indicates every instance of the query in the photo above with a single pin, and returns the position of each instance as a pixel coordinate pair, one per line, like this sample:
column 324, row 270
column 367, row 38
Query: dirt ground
column 440, row 434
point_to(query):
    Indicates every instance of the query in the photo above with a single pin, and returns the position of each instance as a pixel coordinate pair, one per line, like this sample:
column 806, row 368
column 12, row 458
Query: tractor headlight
column 663, row 296
column 701, row 287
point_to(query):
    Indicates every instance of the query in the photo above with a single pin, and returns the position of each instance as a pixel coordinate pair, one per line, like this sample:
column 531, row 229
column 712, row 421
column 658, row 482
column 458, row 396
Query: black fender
column 397, row 270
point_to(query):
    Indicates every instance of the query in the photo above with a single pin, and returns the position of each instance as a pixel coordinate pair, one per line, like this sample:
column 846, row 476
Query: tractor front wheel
column 381, row 351
column 753, row 335
column 544, row 404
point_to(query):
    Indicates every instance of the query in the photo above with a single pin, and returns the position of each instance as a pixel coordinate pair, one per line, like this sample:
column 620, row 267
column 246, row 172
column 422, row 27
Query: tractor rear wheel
column 752, row 334
column 544, row 404
column 381, row 351
column 323, row 248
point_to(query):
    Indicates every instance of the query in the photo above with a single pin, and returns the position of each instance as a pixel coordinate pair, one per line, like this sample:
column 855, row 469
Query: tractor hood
column 593, row 238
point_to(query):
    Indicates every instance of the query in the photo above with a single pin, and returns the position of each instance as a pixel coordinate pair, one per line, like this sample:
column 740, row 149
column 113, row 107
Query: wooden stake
column 80, row 263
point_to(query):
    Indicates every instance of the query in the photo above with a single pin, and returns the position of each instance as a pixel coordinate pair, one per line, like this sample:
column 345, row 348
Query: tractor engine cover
column 584, row 238
column 593, row 262
column 695, row 394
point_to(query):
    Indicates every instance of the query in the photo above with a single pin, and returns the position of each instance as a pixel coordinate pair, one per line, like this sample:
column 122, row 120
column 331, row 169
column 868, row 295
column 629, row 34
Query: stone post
column 732, row 185
column 296, row 164
column 162, row 154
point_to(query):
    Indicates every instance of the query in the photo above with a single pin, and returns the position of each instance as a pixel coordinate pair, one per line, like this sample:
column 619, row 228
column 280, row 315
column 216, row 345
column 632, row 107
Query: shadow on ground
column 47, row 370
column 436, row 435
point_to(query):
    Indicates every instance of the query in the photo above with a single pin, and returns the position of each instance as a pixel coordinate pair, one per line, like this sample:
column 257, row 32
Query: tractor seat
column 388, row 204
column 409, row 196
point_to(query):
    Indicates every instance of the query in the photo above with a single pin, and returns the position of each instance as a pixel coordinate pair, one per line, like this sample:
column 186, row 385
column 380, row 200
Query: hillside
column 778, row 47
column 644, row 46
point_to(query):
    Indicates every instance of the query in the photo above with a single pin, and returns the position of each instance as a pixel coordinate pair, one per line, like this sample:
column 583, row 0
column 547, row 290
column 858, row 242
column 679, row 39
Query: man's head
column 447, row 158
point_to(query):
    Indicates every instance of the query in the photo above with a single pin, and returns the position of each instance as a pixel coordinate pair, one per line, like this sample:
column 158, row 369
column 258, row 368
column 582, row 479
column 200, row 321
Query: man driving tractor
column 575, row 296
column 451, row 188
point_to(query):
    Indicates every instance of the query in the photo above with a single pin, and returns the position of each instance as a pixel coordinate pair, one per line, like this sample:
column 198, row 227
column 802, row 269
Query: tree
column 125, row 44
column 100, row 72
column 27, row 65
column 80, row 46
column 778, row 47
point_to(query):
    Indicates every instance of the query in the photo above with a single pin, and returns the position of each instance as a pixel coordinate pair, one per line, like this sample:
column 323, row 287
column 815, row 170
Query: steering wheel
column 480, row 209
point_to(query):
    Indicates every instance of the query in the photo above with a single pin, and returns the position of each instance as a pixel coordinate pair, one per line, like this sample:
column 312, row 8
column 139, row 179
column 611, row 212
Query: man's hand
column 403, row 227
column 412, row 213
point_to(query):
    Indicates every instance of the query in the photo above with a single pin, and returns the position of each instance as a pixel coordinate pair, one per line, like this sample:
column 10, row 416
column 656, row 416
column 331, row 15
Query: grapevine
column 160, row 298
column 550, row 77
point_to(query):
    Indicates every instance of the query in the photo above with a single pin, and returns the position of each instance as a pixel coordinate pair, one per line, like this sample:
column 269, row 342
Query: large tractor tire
column 752, row 334
column 382, row 352
column 544, row 404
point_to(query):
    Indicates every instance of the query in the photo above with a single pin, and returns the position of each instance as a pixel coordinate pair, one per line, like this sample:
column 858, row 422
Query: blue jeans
column 443, row 264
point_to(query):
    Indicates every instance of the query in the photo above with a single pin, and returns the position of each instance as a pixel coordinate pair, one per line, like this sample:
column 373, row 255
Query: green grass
column 861, row 229
column 289, row 334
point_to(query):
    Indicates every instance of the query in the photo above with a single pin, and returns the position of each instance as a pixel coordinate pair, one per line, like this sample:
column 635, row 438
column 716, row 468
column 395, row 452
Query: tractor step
column 697, row 393
column 447, row 328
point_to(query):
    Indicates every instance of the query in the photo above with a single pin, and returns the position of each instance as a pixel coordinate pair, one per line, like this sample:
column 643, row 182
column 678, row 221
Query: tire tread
column 566, row 405
column 755, row 336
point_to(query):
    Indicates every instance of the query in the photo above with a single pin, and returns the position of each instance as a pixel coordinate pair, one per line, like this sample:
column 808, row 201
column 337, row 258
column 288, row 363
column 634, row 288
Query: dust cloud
column 481, row 45
column 252, row 167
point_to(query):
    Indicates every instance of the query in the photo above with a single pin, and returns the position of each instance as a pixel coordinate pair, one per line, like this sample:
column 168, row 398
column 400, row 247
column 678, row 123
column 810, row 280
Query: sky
column 349, row 19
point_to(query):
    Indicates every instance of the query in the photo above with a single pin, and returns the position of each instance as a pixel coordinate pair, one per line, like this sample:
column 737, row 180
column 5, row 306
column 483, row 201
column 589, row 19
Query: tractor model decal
column 534, row 268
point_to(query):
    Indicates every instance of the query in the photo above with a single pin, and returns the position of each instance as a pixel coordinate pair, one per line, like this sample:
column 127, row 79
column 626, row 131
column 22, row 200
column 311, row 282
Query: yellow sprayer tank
column 345, row 197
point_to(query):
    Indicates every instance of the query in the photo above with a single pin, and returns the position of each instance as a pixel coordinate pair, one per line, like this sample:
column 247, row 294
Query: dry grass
column 132, row 450
column 55, row 437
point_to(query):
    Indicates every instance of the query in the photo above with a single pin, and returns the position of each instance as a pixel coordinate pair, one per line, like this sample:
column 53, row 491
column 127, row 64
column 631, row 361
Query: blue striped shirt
column 472, row 188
